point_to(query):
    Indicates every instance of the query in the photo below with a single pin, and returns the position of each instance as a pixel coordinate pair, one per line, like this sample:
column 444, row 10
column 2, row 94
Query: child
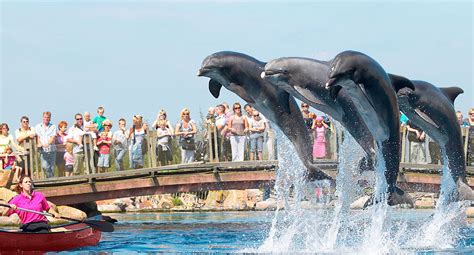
column 163, row 150
column 69, row 159
column 319, row 146
column 9, row 162
column 99, row 119
column 90, row 128
column 104, row 143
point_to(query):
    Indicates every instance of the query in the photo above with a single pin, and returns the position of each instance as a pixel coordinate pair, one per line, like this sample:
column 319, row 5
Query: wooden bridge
column 203, row 177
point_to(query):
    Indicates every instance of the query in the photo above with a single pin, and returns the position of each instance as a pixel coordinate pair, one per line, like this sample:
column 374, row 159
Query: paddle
column 100, row 225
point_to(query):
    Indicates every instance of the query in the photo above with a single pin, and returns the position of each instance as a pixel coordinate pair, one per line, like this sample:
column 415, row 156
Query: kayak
column 61, row 238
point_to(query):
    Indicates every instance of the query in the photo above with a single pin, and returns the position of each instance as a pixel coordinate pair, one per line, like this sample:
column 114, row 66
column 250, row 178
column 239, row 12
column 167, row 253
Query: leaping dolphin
column 240, row 74
column 432, row 109
column 305, row 79
column 371, row 91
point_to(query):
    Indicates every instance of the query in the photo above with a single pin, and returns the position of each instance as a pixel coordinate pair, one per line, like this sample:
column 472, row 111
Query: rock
column 215, row 199
column 15, row 219
column 71, row 212
column 269, row 204
column 146, row 204
column 165, row 202
column 189, row 200
column 360, row 202
column 6, row 221
column 90, row 208
column 470, row 212
column 427, row 201
column 109, row 208
column 6, row 194
column 236, row 200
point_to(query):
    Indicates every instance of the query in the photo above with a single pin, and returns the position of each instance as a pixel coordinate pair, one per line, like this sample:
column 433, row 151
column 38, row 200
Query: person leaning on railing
column 470, row 148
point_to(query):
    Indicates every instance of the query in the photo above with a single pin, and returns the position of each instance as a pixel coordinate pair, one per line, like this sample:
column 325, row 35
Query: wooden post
column 151, row 136
column 404, row 144
column 216, row 145
column 465, row 133
column 88, row 154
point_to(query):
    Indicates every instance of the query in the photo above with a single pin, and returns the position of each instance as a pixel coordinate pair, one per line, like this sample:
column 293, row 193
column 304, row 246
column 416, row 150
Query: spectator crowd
column 236, row 134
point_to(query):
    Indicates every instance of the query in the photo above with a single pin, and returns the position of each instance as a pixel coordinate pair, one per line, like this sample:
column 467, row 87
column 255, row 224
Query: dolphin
column 432, row 109
column 372, row 94
column 305, row 79
column 240, row 74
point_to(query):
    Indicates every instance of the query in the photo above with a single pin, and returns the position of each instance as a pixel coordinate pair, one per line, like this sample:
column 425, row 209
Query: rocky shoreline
column 225, row 200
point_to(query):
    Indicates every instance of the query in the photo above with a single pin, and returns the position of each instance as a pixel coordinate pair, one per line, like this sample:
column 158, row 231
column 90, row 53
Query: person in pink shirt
column 104, row 143
column 28, row 198
column 69, row 160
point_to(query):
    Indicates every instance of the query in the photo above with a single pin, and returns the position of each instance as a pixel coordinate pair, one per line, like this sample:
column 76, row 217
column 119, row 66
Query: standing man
column 120, row 143
column 46, row 133
column 74, row 136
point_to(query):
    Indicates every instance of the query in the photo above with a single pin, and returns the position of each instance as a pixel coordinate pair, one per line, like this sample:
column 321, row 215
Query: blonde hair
column 69, row 148
column 162, row 123
column 185, row 110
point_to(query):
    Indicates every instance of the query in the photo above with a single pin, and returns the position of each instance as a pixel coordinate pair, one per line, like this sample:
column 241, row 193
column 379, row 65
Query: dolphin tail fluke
column 396, row 197
column 400, row 197
column 316, row 173
column 465, row 192
column 366, row 164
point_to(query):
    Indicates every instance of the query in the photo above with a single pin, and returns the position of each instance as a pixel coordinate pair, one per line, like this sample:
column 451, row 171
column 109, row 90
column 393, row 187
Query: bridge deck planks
column 204, row 176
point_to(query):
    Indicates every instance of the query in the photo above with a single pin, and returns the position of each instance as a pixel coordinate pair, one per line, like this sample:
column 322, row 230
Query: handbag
column 188, row 143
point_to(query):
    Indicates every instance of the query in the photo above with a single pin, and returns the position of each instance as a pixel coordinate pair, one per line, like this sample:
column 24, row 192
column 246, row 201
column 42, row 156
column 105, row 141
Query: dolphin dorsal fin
column 215, row 88
column 399, row 82
column 452, row 92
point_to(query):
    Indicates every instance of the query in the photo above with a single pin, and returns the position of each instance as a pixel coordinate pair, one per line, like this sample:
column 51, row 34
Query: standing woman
column 61, row 140
column 137, row 137
column 6, row 139
column 28, row 198
column 237, row 126
column 186, row 129
column 319, row 146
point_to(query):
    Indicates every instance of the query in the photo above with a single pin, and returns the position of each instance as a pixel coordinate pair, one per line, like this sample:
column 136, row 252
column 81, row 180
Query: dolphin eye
column 284, row 71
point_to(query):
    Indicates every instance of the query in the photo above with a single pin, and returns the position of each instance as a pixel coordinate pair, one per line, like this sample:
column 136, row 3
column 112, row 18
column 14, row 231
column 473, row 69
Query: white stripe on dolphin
column 432, row 109
column 240, row 74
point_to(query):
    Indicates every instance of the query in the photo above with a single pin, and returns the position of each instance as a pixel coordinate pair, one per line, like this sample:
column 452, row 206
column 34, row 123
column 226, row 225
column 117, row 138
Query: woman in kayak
column 27, row 198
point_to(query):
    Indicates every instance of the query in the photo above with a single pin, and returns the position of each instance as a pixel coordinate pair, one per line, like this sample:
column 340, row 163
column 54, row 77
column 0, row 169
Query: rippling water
column 220, row 232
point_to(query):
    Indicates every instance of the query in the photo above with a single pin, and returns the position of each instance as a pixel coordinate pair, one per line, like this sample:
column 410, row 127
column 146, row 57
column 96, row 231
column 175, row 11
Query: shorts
column 69, row 168
column 103, row 160
column 256, row 143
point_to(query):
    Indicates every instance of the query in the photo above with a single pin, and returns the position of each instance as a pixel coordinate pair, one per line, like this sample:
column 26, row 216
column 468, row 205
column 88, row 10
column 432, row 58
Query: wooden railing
column 33, row 165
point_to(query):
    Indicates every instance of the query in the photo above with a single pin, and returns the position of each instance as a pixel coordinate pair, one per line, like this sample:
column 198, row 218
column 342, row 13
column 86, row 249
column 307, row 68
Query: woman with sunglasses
column 237, row 126
column 186, row 129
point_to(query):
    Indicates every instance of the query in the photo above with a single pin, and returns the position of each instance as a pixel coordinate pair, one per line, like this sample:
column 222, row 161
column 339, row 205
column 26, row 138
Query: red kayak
column 61, row 238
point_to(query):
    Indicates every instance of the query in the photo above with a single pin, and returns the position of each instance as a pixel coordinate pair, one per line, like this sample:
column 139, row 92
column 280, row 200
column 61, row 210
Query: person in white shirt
column 120, row 144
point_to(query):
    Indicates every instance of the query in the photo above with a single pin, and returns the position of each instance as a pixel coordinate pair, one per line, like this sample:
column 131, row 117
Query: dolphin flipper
column 241, row 92
column 452, row 92
column 215, row 88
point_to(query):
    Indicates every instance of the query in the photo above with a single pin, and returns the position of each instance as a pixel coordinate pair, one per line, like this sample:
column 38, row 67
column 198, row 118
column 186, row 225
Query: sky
column 139, row 57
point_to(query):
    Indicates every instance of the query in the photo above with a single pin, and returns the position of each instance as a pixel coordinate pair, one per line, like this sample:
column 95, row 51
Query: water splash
column 443, row 230
column 331, row 227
